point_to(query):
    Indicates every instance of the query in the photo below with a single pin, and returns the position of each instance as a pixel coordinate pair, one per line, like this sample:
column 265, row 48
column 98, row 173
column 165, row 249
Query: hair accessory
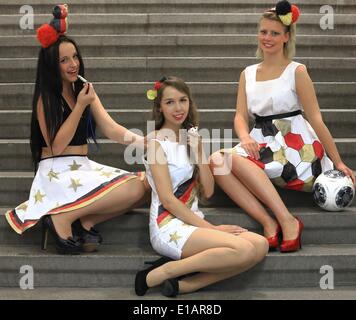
column 287, row 13
column 48, row 34
column 152, row 93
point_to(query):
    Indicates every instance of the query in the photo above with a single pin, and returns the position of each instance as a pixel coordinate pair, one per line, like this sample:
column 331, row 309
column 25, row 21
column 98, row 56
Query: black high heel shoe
column 90, row 239
column 63, row 246
column 170, row 288
column 140, row 279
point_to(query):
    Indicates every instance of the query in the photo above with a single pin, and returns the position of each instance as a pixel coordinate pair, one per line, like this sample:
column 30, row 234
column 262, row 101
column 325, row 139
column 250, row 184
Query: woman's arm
column 68, row 128
column 307, row 97
column 205, row 176
column 110, row 128
column 161, row 177
column 241, row 121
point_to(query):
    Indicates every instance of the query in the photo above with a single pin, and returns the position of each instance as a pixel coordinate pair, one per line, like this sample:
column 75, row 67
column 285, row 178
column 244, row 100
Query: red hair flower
column 157, row 85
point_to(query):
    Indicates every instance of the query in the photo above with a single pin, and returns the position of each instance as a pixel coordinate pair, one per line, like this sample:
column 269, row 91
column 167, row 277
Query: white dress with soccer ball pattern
column 291, row 153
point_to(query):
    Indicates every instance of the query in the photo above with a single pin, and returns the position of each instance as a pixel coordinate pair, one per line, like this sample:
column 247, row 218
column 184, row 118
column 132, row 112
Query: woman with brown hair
column 177, row 171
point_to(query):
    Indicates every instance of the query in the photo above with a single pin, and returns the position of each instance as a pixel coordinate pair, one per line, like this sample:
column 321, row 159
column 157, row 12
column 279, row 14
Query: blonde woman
column 291, row 151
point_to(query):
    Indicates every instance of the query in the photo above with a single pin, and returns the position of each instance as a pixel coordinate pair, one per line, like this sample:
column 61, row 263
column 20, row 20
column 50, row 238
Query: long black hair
column 49, row 87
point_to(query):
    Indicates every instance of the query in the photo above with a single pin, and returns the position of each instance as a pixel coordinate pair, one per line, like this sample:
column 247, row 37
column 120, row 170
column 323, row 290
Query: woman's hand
column 234, row 229
column 194, row 140
column 346, row 170
column 251, row 147
column 86, row 96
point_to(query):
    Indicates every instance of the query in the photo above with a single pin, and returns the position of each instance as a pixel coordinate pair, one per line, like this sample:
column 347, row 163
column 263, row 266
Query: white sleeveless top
column 180, row 170
column 265, row 98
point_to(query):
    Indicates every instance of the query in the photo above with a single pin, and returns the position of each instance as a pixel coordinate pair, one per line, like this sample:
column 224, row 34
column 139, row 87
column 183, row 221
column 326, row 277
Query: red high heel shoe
column 274, row 240
column 295, row 244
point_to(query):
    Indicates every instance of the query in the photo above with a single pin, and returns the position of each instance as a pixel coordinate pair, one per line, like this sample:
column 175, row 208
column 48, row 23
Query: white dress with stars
column 63, row 184
column 168, row 234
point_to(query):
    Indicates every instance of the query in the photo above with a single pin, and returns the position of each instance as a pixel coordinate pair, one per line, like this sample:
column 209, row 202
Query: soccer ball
column 333, row 190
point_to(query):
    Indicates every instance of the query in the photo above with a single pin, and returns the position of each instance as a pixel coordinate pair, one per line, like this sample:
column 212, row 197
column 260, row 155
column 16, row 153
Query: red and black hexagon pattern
column 292, row 163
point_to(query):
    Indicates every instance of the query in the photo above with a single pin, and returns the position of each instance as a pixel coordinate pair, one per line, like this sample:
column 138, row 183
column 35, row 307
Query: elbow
column 316, row 120
column 208, row 193
column 56, row 150
column 168, row 202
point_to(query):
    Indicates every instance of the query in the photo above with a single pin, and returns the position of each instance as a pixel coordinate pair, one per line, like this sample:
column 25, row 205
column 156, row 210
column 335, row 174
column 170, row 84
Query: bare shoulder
column 155, row 153
column 301, row 71
column 302, row 75
column 242, row 79
column 153, row 144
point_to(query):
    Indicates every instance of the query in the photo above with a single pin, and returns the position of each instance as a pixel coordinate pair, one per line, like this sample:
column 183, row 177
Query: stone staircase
column 127, row 45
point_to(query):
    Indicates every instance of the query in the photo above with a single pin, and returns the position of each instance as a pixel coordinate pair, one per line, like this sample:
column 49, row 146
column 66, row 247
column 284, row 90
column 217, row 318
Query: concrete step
column 339, row 121
column 15, row 153
column 115, row 266
column 181, row 45
column 128, row 293
column 15, row 187
column 207, row 95
column 176, row 23
column 321, row 227
column 191, row 68
column 173, row 6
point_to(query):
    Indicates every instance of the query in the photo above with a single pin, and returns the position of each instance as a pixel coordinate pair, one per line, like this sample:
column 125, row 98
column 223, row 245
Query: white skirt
column 63, row 184
column 290, row 152
column 169, row 234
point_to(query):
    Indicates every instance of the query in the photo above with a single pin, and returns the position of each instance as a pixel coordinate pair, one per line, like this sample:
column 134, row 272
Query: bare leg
column 202, row 280
column 211, row 252
column 120, row 199
column 258, row 186
column 94, row 219
column 239, row 193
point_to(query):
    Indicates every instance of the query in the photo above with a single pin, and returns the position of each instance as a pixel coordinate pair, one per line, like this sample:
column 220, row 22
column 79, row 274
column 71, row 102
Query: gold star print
column 75, row 184
column 174, row 237
column 39, row 196
column 22, row 206
column 99, row 169
column 107, row 174
column 74, row 166
column 52, row 175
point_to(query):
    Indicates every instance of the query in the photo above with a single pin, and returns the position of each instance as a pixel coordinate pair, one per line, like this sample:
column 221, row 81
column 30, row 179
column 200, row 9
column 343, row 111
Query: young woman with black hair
column 70, row 193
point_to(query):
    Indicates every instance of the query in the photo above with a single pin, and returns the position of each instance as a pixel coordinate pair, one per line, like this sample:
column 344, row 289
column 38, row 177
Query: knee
column 216, row 159
column 246, row 251
column 220, row 164
column 250, row 252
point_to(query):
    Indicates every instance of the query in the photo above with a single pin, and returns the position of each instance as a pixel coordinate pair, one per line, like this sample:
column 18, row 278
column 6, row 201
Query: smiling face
column 174, row 107
column 68, row 62
column 272, row 36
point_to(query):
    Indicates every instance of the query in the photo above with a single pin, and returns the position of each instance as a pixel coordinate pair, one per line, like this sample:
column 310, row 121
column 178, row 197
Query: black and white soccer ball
column 333, row 190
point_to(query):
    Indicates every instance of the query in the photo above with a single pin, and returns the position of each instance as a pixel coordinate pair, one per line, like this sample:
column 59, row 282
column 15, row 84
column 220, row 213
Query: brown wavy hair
column 192, row 119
